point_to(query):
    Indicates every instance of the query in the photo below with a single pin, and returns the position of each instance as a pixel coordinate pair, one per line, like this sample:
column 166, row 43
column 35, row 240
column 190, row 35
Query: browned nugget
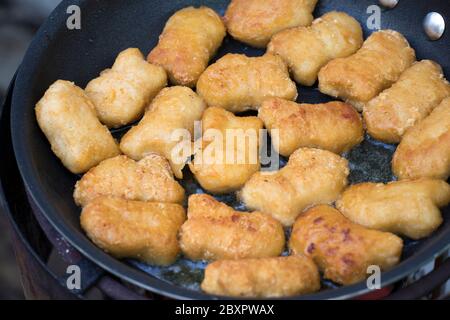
column 334, row 126
column 264, row 277
column 343, row 250
column 149, row 179
column 407, row 207
column 146, row 231
column 425, row 148
column 312, row 176
column 307, row 49
column 189, row 40
column 418, row 91
column 238, row 83
column 215, row 231
column 373, row 68
column 254, row 21
column 69, row 121
column 120, row 94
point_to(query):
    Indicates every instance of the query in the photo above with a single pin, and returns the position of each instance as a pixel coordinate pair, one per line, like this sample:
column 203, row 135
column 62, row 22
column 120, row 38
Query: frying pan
column 108, row 27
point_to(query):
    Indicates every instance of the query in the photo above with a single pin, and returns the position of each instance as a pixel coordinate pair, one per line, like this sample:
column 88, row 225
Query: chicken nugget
column 189, row 40
column 120, row 94
column 215, row 231
column 312, row 176
column 418, row 91
column 238, row 83
column 149, row 179
column 373, row 68
column 307, row 49
column 264, row 277
column 408, row 207
column 237, row 157
column 173, row 109
column 146, row 231
column 254, row 21
column 335, row 126
column 343, row 250
column 69, row 121
column 425, row 148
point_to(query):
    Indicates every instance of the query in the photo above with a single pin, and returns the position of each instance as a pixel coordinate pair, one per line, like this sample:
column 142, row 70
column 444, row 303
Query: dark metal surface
column 111, row 26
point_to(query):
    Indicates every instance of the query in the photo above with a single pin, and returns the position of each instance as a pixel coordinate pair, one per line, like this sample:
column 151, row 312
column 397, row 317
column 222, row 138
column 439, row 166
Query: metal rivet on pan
column 388, row 3
column 434, row 25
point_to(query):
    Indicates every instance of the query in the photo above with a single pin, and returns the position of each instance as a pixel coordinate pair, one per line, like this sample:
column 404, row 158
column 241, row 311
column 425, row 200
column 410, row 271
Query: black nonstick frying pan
column 108, row 27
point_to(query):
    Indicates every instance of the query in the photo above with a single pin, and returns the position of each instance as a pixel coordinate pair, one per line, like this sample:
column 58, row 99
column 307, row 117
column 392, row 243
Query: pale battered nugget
column 341, row 249
column 149, row 179
column 407, row 207
column 146, row 231
column 237, row 158
column 425, row 148
column 307, row 49
column 335, row 126
column 418, row 91
column 68, row 119
column 254, row 21
column 173, row 109
column 264, row 277
column 373, row 68
column 238, row 83
column 120, row 94
column 312, row 176
column 215, row 231
column 189, row 40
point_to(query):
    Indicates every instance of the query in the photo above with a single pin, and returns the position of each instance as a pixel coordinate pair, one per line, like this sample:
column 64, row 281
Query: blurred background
column 19, row 20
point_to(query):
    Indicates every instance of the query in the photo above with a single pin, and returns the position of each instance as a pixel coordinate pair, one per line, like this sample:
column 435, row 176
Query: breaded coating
column 408, row 207
column 373, row 68
column 173, row 109
column 238, row 83
column 312, row 176
column 341, row 249
column 418, row 91
column 335, row 126
column 68, row 119
column 120, row 94
column 425, row 148
column 307, row 49
column 189, row 40
column 146, row 231
column 238, row 151
column 264, row 277
column 254, row 21
column 215, row 231
column 149, row 179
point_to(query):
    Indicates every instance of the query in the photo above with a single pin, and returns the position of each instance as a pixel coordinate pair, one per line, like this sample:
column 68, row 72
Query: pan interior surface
column 108, row 27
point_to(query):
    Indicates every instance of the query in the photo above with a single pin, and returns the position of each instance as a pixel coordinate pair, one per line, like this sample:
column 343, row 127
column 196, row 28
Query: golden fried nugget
column 120, row 94
column 146, row 231
column 312, row 176
column 408, row 207
column 215, row 231
column 173, row 109
column 238, row 83
column 68, row 119
column 418, row 91
column 307, row 49
column 238, row 158
column 149, row 179
column 334, row 126
column 189, row 40
column 264, row 277
column 343, row 250
column 373, row 68
column 425, row 148
column 254, row 21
